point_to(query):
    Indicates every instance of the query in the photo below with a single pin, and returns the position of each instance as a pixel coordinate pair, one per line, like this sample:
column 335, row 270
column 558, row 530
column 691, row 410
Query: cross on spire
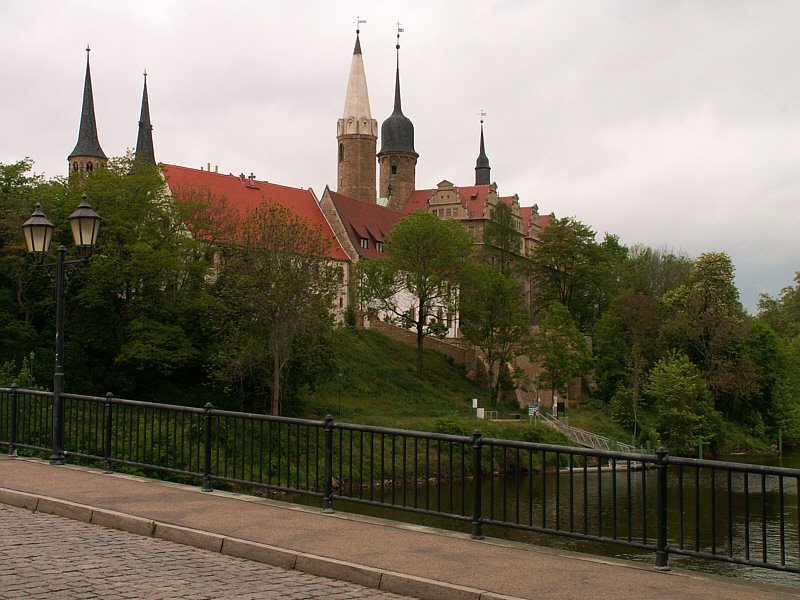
column 482, row 114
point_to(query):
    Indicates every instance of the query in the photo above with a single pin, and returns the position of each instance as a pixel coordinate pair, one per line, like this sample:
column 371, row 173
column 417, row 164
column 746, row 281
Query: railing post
column 477, row 498
column 107, row 435
column 662, row 551
column 207, row 450
column 12, row 448
column 327, row 497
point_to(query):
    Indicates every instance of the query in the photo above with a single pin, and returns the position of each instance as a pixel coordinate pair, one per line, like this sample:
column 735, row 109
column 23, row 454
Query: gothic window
column 75, row 166
column 341, row 152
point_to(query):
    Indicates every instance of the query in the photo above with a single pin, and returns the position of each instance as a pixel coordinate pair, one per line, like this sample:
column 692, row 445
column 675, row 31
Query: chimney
column 216, row 168
column 209, row 167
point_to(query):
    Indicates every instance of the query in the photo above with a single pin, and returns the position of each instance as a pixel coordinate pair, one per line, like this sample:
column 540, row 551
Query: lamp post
column 38, row 232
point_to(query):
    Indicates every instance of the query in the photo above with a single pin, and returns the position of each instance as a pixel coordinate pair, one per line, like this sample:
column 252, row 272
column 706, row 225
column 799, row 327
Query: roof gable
column 365, row 220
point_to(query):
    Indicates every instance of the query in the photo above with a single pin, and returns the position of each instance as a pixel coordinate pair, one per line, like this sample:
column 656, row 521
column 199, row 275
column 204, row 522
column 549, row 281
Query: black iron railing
column 737, row 513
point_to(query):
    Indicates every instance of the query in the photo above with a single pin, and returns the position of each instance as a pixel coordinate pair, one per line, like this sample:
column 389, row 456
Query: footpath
column 394, row 557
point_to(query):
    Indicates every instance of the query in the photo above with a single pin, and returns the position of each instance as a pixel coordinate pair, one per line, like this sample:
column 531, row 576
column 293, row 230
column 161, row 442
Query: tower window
column 75, row 166
column 341, row 152
column 394, row 169
column 89, row 166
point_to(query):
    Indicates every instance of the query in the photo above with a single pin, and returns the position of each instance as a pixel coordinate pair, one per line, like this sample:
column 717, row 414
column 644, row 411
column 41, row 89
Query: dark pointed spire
column 482, row 168
column 144, row 142
column 88, row 144
column 397, row 132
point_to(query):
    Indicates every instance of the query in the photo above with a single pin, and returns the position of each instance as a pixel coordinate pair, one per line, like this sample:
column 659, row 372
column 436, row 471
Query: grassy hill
column 377, row 386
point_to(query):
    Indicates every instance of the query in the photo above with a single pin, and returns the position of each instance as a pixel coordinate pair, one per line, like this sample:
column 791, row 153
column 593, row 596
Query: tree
column 426, row 254
column 502, row 241
column 568, row 267
column 559, row 348
column 278, row 288
column 493, row 318
column 683, row 403
column 708, row 322
column 656, row 271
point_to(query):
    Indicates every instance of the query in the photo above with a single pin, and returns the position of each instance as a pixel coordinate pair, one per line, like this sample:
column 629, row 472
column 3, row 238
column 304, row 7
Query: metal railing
column 737, row 513
column 589, row 439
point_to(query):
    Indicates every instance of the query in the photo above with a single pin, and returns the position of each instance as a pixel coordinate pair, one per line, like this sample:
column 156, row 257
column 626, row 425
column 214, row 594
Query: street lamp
column 38, row 232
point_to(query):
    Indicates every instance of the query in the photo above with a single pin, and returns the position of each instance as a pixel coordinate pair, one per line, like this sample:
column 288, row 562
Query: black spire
column 357, row 49
column 397, row 132
column 88, row 145
column 144, row 142
column 482, row 168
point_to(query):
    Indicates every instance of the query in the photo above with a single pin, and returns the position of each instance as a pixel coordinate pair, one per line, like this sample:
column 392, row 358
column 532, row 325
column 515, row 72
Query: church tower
column 145, row 154
column 397, row 160
column 87, row 154
column 482, row 168
column 357, row 135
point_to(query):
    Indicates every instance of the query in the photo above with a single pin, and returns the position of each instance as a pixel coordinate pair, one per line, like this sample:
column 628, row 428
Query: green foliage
column 493, row 318
column 426, row 255
column 277, row 287
column 683, row 404
column 560, row 348
column 568, row 267
column 707, row 322
column 502, row 241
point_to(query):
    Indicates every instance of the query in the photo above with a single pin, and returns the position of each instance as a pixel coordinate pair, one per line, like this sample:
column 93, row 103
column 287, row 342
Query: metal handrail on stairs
column 589, row 439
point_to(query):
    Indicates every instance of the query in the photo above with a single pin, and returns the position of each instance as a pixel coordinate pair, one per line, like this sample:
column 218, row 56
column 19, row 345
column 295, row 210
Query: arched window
column 75, row 166
column 89, row 166
column 341, row 152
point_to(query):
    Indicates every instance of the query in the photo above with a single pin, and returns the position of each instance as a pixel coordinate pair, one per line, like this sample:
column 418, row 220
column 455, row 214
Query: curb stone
column 388, row 581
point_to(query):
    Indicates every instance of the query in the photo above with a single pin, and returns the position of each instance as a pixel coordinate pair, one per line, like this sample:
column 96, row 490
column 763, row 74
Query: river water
column 696, row 493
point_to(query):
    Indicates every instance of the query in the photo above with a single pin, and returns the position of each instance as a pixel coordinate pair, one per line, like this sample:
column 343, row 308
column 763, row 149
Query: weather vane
column 482, row 114
column 399, row 31
column 358, row 23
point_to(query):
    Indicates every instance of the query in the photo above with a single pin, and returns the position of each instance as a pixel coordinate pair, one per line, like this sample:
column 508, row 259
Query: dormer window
column 364, row 243
column 379, row 246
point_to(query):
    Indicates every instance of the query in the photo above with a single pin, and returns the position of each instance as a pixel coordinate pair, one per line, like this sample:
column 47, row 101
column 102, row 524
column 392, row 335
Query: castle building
column 87, row 154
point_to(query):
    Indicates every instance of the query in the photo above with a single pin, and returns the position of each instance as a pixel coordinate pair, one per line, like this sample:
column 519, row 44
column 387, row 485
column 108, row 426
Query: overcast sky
column 670, row 123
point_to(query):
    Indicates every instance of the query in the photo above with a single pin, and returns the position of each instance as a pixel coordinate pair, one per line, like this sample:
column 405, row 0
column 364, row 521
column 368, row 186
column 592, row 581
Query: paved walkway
column 392, row 557
column 46, row 556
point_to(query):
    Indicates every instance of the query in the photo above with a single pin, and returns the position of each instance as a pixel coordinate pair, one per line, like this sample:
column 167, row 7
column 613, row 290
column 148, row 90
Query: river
column 603, row 511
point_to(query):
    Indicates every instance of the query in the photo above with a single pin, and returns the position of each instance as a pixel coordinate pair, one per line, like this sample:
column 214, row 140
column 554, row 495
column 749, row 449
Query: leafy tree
column 783, row 315
column 656, row 271
column 426, row 254
column 683, row 403
column 567, row 267
column 502, row 241
column 493, row 318
column 559, row 348
column 278, row 288
column 708, row 323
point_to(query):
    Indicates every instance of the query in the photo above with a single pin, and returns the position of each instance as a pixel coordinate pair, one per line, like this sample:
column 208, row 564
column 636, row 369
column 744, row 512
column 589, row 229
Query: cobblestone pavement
column 45, row 556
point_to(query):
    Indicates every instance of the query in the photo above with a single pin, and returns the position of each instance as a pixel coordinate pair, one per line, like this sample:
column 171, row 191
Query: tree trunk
column 276, row 386
column 420, row 341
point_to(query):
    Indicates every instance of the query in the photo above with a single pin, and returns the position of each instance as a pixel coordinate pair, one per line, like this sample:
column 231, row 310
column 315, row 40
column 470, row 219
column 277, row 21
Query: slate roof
column 144, row 141
column 88, row 144
column 365, row 220
column 244, row 195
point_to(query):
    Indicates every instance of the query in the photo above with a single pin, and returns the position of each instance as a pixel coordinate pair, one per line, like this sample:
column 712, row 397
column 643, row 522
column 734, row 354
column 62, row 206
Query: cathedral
column 360, row 214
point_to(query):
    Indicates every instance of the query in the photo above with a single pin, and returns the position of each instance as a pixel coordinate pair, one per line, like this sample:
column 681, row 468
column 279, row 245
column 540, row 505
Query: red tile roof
column 245, row 195
column 544, row 221
column 365, row 220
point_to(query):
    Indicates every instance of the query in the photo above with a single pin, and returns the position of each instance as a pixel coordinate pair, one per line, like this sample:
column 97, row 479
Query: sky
column 670, row 123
